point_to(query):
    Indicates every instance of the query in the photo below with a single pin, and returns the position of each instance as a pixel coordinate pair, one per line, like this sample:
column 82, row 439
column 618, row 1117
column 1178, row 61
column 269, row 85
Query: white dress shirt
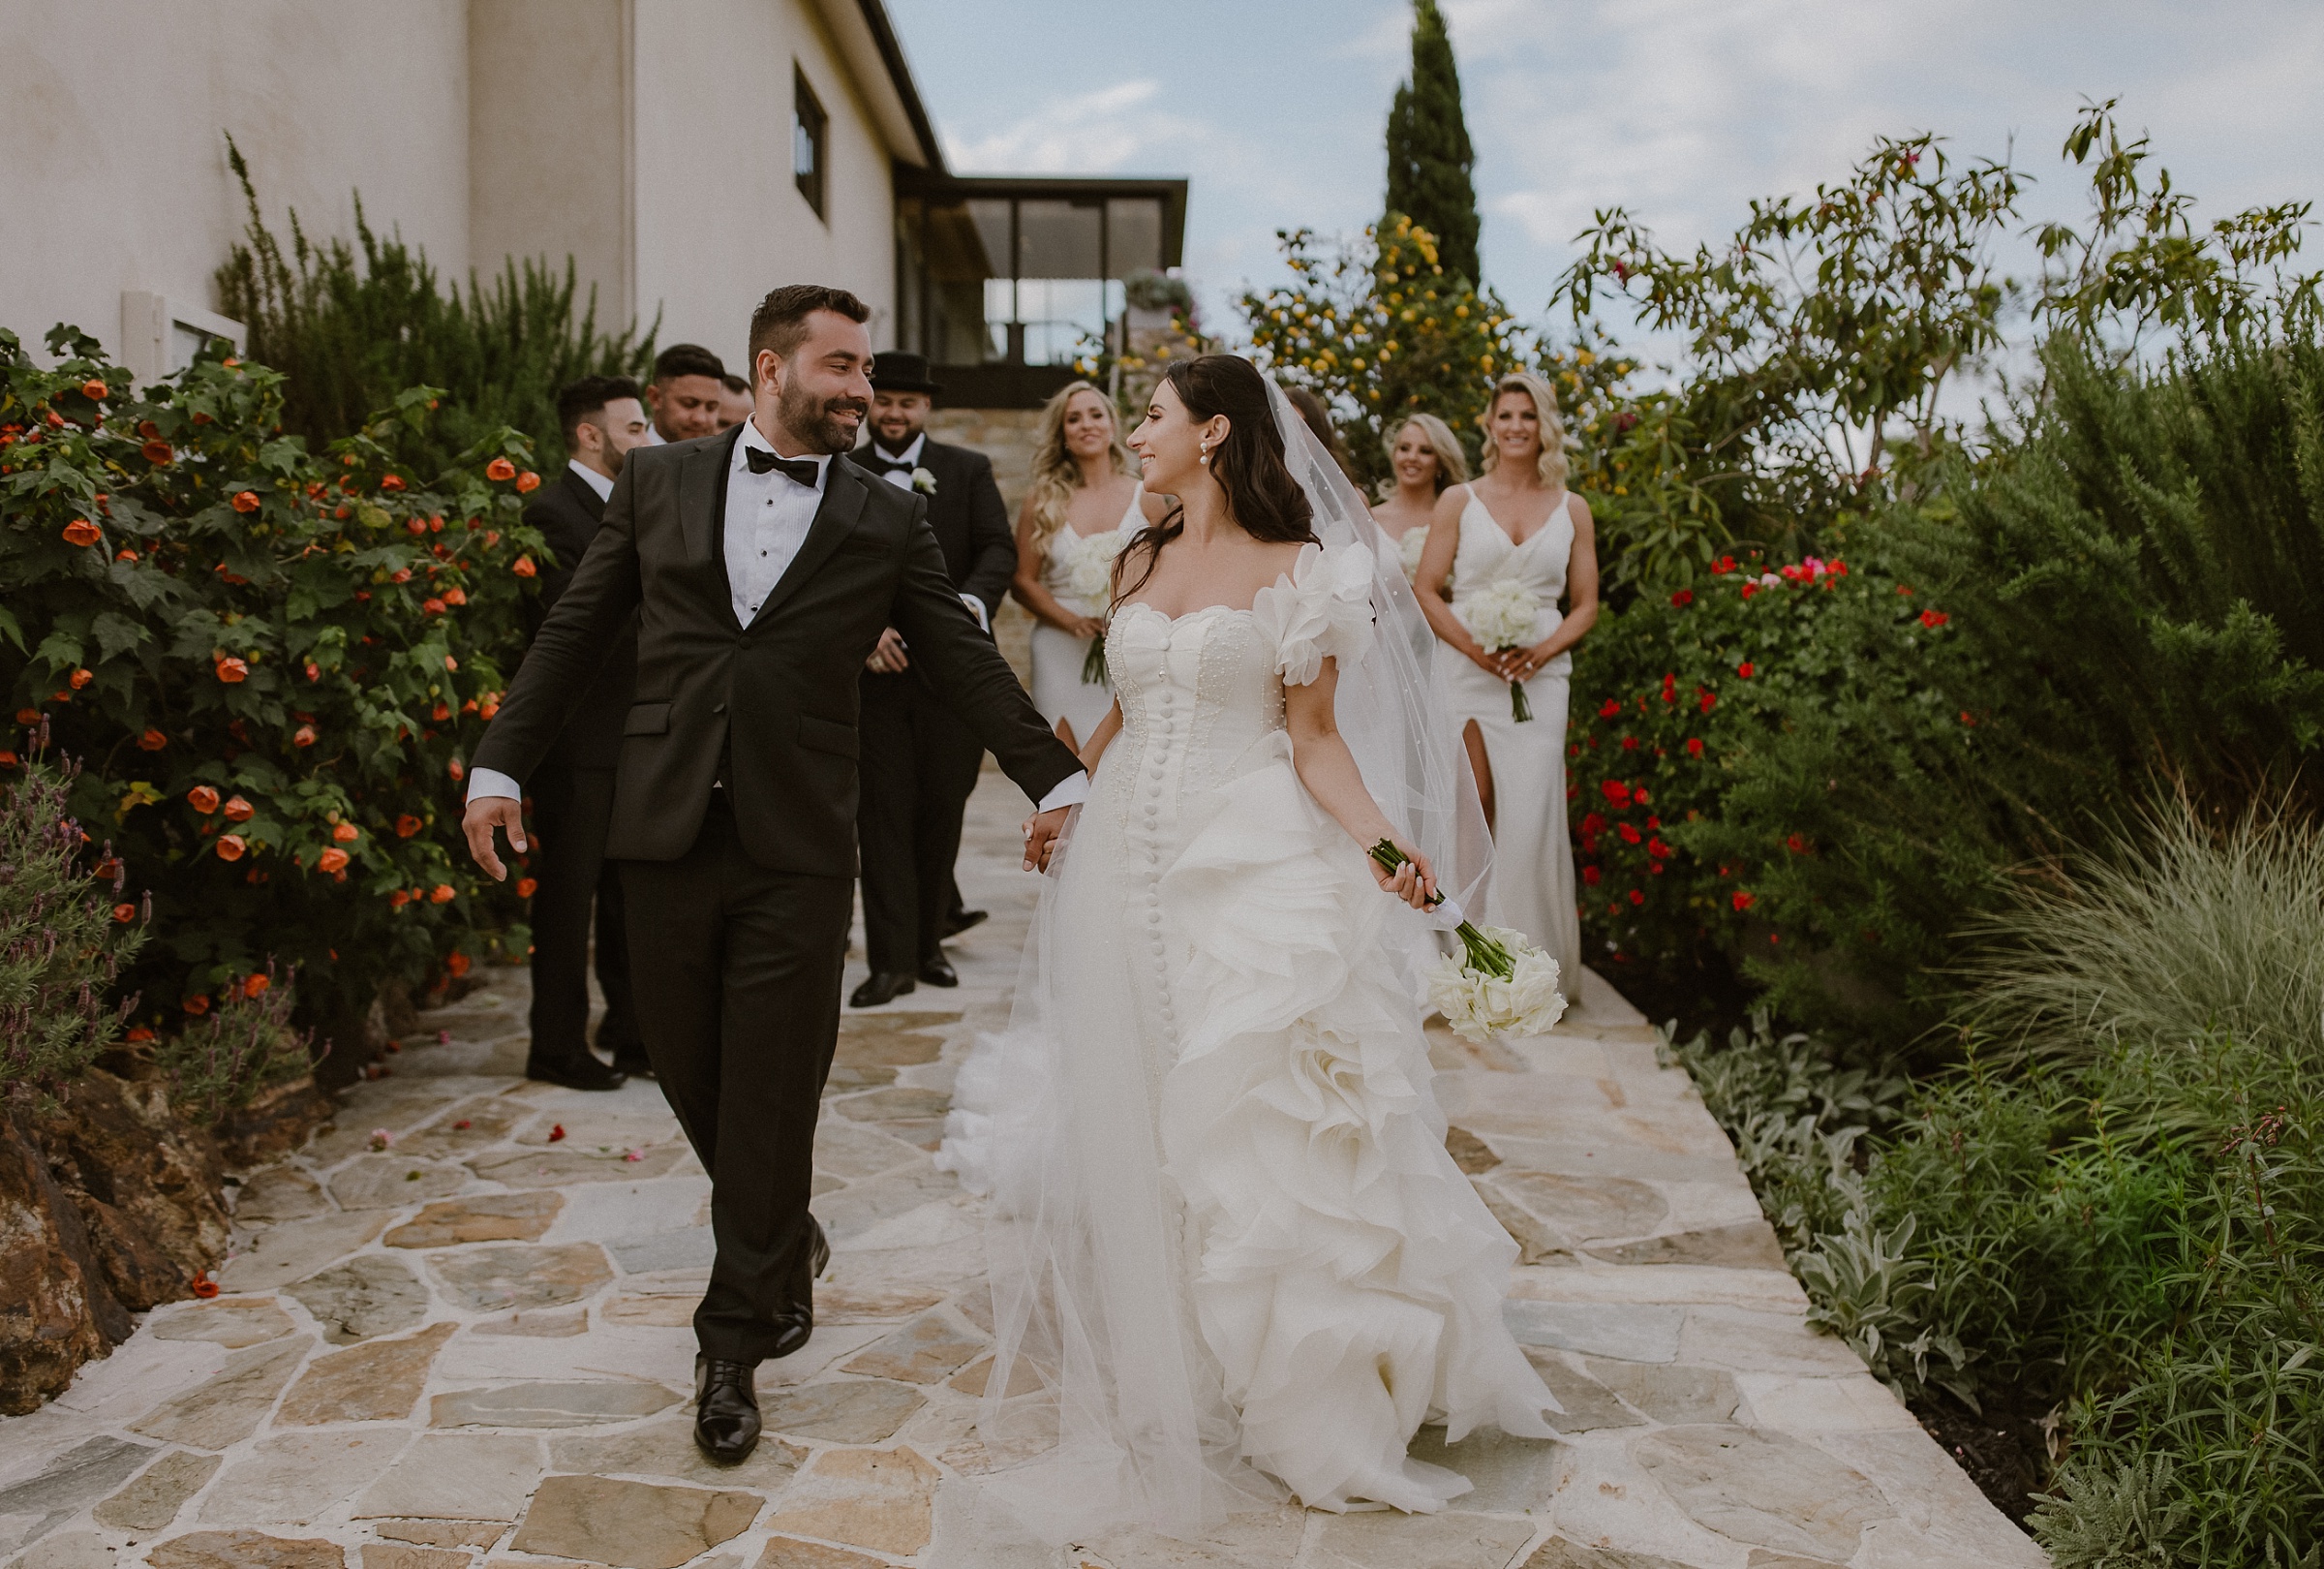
column 593, row 479
column 767, row 519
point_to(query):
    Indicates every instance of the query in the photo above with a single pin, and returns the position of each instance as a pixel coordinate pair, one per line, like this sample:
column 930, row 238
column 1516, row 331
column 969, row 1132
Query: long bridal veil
column 1101, row 1405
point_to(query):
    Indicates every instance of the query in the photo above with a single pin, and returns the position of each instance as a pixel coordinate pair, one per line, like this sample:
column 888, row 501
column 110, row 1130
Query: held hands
column 485, row 813
column 1041, row 837
column 888, row 658
column 1413, row 883
column 1518, row 663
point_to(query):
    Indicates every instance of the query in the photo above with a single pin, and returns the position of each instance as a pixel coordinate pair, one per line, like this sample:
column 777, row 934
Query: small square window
column 810, row 131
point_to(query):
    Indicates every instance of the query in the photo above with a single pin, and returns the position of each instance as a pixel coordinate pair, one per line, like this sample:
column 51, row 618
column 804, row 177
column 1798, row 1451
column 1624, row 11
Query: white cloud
column 1091, row 133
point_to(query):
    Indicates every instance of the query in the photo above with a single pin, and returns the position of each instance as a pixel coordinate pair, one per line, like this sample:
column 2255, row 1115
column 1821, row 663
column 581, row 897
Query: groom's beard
column 820, row 422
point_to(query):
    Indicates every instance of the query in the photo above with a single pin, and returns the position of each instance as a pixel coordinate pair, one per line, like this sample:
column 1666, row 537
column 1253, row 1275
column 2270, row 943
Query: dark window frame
column 810, row 131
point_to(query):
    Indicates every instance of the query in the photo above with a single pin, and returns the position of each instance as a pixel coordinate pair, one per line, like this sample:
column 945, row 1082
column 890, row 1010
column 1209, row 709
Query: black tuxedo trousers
column 920, row 764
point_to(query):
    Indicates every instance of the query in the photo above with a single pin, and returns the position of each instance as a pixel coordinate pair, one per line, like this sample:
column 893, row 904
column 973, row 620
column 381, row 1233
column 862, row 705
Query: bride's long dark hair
column 1262, row 496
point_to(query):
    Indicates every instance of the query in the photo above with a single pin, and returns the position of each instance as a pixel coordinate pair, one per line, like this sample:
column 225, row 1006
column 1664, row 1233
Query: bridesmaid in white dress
column 1518, row 525
column 1083, row 490
column 1425, row 458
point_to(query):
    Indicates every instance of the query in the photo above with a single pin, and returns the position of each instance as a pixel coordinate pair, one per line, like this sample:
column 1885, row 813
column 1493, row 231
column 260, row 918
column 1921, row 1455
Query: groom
column 765, row 569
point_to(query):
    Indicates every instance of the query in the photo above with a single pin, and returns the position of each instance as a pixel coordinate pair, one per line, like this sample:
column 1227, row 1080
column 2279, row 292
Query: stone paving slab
column 456, row 1334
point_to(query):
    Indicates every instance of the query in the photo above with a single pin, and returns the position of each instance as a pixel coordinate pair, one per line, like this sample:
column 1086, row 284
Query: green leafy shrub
column 274, row 660
column 2128, row 1238
column 351, row 327
column 65, row 934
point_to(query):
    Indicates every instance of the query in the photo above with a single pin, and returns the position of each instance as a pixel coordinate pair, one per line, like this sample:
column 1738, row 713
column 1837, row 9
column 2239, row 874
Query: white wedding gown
column 1228, row 1248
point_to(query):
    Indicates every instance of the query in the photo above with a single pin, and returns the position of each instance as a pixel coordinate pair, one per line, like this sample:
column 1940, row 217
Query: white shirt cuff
column 490, row 784
column 976, row 608
column 1071, row 791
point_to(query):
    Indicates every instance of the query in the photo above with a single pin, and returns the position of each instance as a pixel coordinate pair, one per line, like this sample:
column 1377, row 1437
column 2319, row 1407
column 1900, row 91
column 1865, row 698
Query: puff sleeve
column 1324, row 610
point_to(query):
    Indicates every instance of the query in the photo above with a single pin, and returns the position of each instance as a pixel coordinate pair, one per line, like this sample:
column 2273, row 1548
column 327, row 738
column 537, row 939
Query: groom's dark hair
column 779, row 323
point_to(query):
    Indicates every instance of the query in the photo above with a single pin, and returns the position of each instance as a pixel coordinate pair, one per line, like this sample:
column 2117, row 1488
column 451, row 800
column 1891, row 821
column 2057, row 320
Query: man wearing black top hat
column 919, row 760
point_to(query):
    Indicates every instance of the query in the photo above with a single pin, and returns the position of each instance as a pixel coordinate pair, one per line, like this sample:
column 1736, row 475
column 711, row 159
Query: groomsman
column 919, row 761
column 572, row 789
column 687, row 395
column 735, row 407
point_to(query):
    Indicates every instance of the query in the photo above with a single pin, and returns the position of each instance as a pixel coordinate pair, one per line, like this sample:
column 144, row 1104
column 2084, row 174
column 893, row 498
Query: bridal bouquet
column 1501, row 615
column 1500, row 985
column 1409, row 548
column 1090, row 579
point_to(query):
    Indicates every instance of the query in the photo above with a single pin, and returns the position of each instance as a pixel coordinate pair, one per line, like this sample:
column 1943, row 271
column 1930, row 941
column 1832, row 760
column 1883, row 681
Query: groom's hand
column 485, row 813
column 1041, row 836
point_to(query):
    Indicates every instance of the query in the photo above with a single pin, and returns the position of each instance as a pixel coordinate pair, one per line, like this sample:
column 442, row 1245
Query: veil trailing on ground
column 1101, row 1405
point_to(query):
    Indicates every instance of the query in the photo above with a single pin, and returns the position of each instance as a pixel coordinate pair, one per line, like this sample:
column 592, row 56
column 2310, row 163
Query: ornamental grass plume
column 2173, row 934
column 1501, row 985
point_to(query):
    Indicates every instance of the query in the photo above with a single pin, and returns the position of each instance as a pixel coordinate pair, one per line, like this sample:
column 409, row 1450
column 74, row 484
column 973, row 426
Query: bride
column 1231, row 1259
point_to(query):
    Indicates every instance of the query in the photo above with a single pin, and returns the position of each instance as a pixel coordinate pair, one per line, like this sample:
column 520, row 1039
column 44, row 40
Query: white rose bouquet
column 1090, row 579
column 1499, row 984
column 1501, row 615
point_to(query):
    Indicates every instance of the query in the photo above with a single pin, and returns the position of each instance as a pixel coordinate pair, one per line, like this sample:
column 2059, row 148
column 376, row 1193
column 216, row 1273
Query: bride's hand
column 1413, row 883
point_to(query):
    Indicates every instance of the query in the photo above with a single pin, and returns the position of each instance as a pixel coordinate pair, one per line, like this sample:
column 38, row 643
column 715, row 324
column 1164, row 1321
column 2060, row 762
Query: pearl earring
column 1204, row 459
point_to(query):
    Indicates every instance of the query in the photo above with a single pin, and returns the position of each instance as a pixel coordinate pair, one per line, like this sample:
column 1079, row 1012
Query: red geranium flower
column 255, row 985
column 391, row 481
column 1744, row 901
column 1682, row 599
column 525, row 887
column 1636, row 897
column 1744, row 670
column 1694, row 746
column 1629, row 834
column 1709, row 701
column 1608, row 709
column 1590, row 874
column 455, row 595
column 1934, row 618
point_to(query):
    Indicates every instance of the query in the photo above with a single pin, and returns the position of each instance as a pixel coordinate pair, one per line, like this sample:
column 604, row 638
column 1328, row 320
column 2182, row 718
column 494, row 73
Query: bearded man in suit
column 763, row 569
column 920, row 762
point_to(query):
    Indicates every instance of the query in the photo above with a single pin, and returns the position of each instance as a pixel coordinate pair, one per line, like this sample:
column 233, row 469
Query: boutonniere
column 923, row 481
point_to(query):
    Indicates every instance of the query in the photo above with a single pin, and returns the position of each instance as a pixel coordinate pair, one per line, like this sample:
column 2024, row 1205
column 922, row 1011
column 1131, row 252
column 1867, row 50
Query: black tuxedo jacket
column 970, row 517
column 568, row 514
column 781, row 693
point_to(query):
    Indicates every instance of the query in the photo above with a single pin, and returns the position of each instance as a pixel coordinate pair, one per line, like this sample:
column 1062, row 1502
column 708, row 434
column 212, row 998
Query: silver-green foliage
column 61, row 945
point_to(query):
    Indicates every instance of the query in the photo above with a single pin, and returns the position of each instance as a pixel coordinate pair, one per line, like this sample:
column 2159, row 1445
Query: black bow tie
column 883, row 464
column 806, row 471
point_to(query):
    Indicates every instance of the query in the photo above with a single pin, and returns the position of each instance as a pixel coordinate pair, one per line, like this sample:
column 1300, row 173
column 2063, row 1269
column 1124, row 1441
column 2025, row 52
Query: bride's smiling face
column 1169, row 442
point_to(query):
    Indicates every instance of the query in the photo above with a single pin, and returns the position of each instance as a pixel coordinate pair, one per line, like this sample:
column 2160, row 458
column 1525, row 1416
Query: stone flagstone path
column 454, row 1336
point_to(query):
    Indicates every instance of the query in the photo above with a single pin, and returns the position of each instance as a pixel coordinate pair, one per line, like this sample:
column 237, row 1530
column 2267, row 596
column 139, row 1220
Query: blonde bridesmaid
column 1425, row 458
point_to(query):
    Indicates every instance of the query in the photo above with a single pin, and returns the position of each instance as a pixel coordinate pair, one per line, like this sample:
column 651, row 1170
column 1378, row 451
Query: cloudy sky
column 1681, row 110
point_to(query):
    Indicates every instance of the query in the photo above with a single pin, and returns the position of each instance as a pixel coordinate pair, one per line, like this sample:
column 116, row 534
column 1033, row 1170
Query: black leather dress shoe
column 960, row 920
column 726, row 1409
column 583, row 1073
column 939, row 971
column 883, row 986
column 633, row 1061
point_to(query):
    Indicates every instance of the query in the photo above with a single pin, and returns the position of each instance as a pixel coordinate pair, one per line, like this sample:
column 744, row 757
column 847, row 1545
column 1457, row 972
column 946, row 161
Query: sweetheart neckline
column 1140, row 605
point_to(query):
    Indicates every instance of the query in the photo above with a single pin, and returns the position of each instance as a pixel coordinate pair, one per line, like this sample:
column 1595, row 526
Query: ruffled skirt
column 1227, row 1240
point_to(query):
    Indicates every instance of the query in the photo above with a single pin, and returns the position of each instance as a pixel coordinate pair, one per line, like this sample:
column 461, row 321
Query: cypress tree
column 1428, row 151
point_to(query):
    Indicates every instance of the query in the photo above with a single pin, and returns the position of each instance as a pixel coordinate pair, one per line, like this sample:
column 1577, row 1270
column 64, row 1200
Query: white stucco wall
column 117, row 179
column 720, row 220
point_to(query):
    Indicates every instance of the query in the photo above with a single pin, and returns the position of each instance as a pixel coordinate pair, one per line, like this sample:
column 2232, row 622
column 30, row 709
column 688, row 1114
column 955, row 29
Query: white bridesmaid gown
column 1230, row 1255
column 1532, row 889
column 1059, row 656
